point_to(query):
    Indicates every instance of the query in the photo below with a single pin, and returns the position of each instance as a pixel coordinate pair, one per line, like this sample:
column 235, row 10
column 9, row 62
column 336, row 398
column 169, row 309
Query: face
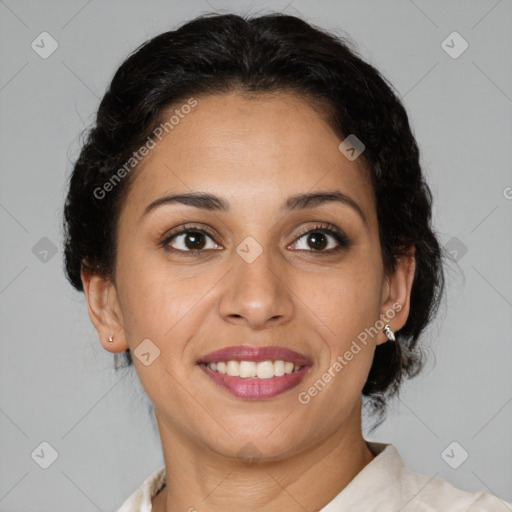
column 194, row 277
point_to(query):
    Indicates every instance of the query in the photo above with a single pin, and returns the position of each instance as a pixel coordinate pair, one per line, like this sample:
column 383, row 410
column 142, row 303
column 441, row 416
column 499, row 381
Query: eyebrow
column 210, row 202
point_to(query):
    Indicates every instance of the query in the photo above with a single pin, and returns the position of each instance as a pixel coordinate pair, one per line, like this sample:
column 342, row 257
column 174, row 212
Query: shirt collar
column 383, row 471
column 379, row 474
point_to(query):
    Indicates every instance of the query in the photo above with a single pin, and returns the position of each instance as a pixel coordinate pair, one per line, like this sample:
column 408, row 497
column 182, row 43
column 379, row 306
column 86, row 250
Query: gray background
column 56, row 382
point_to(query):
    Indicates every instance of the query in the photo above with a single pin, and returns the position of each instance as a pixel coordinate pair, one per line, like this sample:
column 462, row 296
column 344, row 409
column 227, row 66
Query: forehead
column 253, row 151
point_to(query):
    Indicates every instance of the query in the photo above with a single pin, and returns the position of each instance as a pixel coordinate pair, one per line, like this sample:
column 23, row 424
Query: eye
column 317, row 238
column 194, row 240
column 188, row 239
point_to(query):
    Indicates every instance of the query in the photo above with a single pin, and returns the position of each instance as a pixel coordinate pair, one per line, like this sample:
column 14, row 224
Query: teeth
column 278, row 368
column 265, row 369
column 233, row 368
column 251, row 369
column 247, row 369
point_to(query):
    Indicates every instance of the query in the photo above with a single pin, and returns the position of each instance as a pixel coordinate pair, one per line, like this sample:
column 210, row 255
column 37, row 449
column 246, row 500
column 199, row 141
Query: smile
column 251, row 369
column 256, row 388
column 255, row 372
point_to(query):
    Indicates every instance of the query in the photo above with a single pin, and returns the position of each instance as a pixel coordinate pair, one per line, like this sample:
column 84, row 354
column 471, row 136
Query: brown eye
column 194, row 240
column 317, row 239
column 189, row 240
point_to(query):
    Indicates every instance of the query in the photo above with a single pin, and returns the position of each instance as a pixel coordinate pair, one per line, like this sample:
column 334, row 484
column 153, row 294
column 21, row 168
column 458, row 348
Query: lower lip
column 253, row 388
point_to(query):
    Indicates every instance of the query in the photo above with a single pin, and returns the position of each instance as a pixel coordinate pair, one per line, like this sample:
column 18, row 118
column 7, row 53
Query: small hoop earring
column 390, row 335
column 111, row 339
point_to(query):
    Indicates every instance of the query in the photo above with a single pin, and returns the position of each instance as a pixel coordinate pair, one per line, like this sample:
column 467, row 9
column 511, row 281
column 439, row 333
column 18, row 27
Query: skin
column 255, row 153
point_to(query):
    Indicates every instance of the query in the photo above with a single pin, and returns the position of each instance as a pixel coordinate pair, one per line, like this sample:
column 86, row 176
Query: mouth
column 255, row 372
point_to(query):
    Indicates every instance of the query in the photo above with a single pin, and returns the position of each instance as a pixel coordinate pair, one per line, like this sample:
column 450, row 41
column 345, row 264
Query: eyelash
column 327, row 229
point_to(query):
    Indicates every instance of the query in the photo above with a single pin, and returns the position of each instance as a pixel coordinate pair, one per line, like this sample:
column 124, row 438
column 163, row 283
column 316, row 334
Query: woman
column 249, row 219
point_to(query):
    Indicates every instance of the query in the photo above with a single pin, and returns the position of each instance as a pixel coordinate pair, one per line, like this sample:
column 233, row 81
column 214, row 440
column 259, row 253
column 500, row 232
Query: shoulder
column 425, row 493
column 387, row 485
column 141, row 499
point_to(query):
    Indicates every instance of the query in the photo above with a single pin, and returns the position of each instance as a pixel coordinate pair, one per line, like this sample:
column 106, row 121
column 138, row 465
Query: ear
column 104, row 311
column 396, row 294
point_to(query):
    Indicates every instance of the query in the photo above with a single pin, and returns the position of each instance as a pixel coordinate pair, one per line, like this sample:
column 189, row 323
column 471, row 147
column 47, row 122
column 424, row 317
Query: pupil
column 194, row 237
column 318, row 244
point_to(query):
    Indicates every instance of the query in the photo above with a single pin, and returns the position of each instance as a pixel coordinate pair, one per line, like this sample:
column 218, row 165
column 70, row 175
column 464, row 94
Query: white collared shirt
column 383, row 485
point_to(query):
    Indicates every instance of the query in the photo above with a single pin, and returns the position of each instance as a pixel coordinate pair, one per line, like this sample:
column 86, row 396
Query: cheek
column 344, row 306
column 164, row 304
column 344, row 310
column 150, row 301
column 346, row 299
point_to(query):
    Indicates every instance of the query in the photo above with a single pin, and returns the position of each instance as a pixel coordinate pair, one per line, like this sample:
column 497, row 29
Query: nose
column 257, row 293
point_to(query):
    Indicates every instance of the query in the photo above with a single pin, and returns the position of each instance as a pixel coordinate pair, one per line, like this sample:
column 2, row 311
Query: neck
column 203, row 480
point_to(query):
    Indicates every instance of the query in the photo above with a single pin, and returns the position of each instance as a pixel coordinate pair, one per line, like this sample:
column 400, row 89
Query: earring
column 111, row 339
column 390, row 335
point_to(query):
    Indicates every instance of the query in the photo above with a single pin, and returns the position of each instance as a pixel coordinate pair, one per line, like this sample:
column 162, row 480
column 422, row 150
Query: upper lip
column 256, row 354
